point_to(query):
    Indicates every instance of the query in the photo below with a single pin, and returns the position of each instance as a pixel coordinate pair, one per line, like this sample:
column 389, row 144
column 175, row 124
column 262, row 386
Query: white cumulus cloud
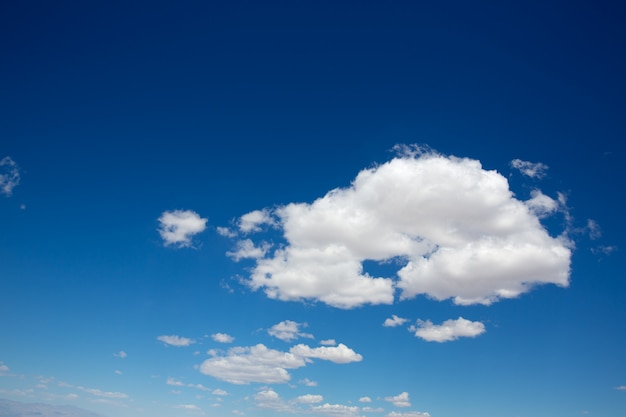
column 454, row 230
column 9, row 176
column 177, row 341
column 252, row 222
column 400, row 400
column 394, row 321
column 530, row 169
column 222, row 338
column 243, row 365
column 288, row 330
column 337, row 354
column 309, row 399
column 447, row 331
column 365, row 400
column 177, row 227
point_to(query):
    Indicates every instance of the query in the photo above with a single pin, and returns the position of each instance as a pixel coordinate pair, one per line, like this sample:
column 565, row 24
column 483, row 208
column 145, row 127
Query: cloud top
column 177, row 227
column 453, row 229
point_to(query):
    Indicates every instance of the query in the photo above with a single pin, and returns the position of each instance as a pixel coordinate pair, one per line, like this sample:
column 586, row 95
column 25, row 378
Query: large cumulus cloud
column 454, row 230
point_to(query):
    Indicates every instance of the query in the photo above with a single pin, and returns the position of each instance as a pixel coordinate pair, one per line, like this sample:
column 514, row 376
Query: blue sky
column 321, row 208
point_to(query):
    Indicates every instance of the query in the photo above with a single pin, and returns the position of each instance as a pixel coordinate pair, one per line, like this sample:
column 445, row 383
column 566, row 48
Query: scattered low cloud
column 288, row 330
column 400, row 400
column 337, row 354
column 269, row 399
column 9, row 176
column 365, row 400
column 121, row 354
column 174, row 382
column 226, row 232
column 219, row 392
column 337, row 410
column 309, row 399
column 307, row 382
column 447, row 331
column 394, row 321
column 247, row 250
column 530, row 169
column 177, row 227
column 328, row 342
column 454, row 230
column 243, row 365
column 174, row 340
column 252, row 222
column 621, row 388
column 103, row 394
column 118, row 372
column 408, row 414
column 373, row 410
column 222, row 338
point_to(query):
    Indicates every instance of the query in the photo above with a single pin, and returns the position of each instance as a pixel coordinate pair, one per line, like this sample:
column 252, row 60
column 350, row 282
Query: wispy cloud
column 121, row 354
column 9, row 176
column 447, row 331
column 177, row 227
column 530, row 169
column 174, row 340
column 460, row 234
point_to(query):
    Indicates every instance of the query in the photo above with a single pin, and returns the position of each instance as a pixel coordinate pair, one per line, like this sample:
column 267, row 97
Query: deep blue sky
column 114, row 114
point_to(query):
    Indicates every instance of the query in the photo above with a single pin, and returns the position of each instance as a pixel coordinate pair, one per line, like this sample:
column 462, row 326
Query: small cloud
column 372, row 410
column 336, row 410
column 365, row 400
column 219, row 392
column 408, row 414
column 225, row 231
column 222, row 338
column 307, row 382
column 309, row 399
column 604, row 250
column 9, row 176
column 4, row 369
column 621, row 388
column 449, row 330
column 530, row 169
column 103, row 394
column 247, row 250
column 179, row 226
column 400, row 400
column 394, row 321
column 288, row 330
column 594, row 229
column 174, row 382
column 191, row 407
column 121, row 354
column 252, row 221
column 328, row 342
column 177, row 341
column 118, row 372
